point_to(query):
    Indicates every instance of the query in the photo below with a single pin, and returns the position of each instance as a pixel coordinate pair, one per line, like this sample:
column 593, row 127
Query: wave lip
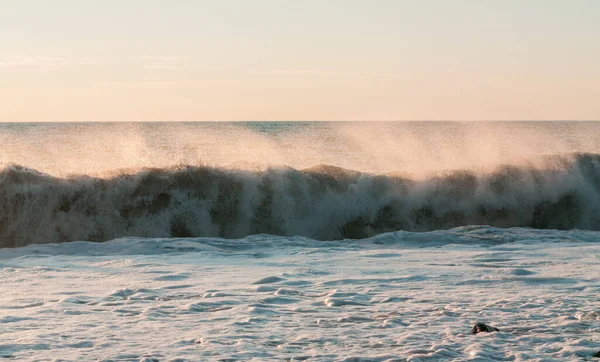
column 322, row 202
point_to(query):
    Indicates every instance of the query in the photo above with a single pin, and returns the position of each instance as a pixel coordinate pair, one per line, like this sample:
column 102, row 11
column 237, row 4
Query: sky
column 202, row 60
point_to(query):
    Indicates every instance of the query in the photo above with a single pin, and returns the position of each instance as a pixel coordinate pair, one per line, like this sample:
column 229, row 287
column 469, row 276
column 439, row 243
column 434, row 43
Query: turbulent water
column 97, row 182
column 300, row 241
column 396, row 297
column 322, row 202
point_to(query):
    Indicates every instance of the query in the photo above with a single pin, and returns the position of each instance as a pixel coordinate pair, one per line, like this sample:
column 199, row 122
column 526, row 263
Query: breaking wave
column 322, row 202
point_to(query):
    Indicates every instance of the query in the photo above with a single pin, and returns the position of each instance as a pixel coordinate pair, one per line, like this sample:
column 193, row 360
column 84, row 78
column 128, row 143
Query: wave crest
column 322, row 202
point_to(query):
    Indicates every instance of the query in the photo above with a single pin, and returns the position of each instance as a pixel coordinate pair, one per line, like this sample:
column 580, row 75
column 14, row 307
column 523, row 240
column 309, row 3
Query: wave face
column 322, row 202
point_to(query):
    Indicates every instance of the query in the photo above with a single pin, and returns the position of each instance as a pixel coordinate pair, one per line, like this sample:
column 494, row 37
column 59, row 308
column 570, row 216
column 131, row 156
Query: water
column 326, row 181
column 300, row 241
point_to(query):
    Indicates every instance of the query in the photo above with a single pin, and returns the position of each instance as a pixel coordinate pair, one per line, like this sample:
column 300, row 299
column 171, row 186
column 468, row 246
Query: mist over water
column 100, row 181
column 418, row 148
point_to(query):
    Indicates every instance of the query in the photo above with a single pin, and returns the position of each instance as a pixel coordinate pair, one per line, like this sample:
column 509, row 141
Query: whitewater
column 319, row 241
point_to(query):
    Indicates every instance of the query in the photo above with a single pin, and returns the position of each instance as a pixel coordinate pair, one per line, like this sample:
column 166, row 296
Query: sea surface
column 318, row 241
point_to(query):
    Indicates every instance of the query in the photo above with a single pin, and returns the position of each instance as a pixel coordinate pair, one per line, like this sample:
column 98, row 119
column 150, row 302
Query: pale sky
column 196, row 60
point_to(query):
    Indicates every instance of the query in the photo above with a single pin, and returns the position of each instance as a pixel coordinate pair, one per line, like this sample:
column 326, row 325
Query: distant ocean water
column 324, row 180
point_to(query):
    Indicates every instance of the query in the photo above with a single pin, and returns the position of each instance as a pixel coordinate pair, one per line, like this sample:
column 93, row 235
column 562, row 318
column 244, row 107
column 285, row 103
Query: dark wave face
column 322, row 202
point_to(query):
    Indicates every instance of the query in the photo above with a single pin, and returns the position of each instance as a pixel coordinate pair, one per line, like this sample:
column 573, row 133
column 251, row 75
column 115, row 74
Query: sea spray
column 322, row 202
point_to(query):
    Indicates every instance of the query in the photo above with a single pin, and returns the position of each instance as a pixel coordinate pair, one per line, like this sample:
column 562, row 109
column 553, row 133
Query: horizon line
column 307, row 120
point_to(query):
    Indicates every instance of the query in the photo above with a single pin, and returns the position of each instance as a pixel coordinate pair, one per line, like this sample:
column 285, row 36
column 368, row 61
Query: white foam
column 399, row 296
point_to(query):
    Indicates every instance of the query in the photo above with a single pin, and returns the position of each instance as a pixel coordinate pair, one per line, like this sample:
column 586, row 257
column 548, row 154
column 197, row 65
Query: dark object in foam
column 483, row 328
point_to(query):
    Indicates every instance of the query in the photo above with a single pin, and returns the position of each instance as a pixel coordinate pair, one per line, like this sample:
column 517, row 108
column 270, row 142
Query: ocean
column 319, row 241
